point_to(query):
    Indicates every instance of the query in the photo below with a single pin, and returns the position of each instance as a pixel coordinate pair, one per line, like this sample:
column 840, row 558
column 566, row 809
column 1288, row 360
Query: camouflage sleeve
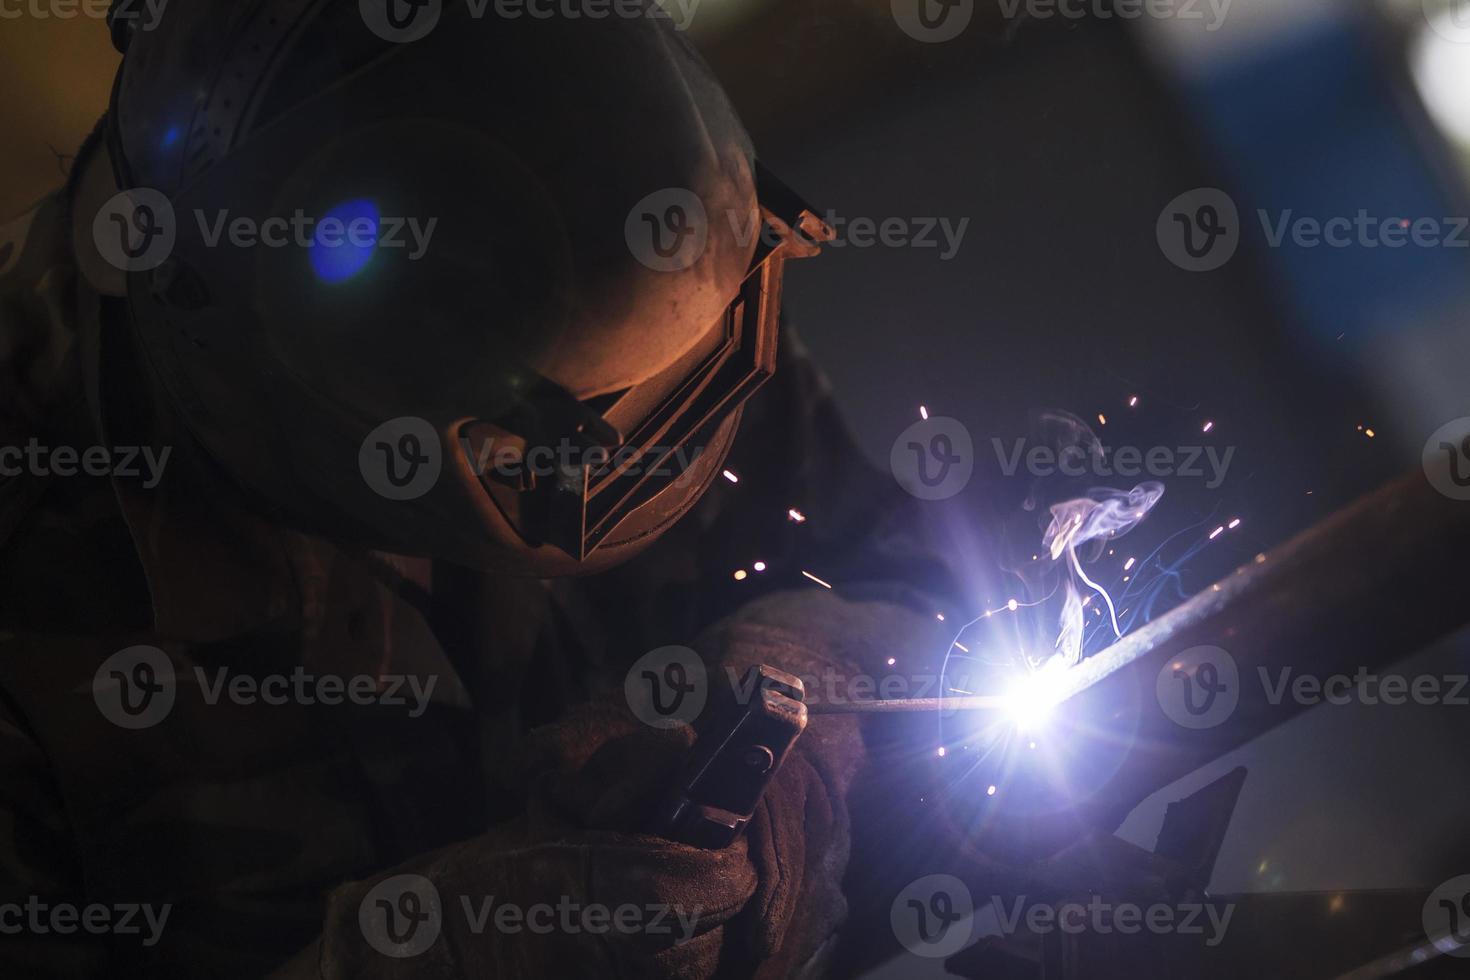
column 42, row 914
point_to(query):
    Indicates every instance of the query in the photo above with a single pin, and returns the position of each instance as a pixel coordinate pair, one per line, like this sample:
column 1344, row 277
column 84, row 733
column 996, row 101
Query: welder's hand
column 787, row 869
column 570, row 888
column 764, row 906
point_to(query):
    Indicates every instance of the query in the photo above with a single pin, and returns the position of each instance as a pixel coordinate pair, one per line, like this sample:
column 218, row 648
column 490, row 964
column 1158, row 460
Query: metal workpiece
column 1374, row 583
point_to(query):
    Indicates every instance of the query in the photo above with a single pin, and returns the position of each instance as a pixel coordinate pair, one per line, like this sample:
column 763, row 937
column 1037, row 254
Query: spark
column 892, row 661
column 759, row 566
column 990, row 790
column 1128, row 564
column 1234, row 524
column 1133, row 402
column 796, row 516
column 1217, row 532
column 1369, row 433
column 740, row 575
column 960, row 646
column 729, row 475
column 939, row 616
column 825, row 585
column 941, row 752
column 1208, row 426
column 1012, row 605
column 924, row 413
column 1102, row 419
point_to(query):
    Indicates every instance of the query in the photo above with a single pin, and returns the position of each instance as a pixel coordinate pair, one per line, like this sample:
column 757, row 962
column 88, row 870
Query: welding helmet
column 443, row 282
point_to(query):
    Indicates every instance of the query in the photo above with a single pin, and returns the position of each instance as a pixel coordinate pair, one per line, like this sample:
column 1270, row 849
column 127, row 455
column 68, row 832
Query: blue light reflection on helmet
column 345, row 253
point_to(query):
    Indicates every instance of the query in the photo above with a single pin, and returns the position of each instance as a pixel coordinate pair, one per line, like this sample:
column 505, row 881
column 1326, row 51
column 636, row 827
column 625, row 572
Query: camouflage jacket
column 239, row 815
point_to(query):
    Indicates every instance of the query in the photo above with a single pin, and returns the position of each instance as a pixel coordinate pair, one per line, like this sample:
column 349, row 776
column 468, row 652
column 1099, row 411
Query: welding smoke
column 1099, row 517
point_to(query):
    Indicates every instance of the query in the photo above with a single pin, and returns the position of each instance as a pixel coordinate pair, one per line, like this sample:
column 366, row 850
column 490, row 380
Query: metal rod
column 906, row 705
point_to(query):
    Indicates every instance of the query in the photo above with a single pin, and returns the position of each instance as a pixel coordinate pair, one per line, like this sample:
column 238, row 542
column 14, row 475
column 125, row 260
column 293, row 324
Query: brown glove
column 576, row 886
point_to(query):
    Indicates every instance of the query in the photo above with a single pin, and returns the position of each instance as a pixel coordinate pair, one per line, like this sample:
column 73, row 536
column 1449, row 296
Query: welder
column 428, row 462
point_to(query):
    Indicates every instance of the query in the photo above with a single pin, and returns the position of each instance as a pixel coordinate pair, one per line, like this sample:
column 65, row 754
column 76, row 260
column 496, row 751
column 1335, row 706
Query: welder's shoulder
column 41, row 395
column 31, row 243
column 37, row 322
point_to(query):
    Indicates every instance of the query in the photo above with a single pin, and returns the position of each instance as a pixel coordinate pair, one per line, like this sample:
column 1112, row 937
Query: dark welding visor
column 572, row 473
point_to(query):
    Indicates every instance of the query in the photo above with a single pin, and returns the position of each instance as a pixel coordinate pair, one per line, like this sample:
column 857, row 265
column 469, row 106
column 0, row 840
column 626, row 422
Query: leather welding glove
column 768, row 905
